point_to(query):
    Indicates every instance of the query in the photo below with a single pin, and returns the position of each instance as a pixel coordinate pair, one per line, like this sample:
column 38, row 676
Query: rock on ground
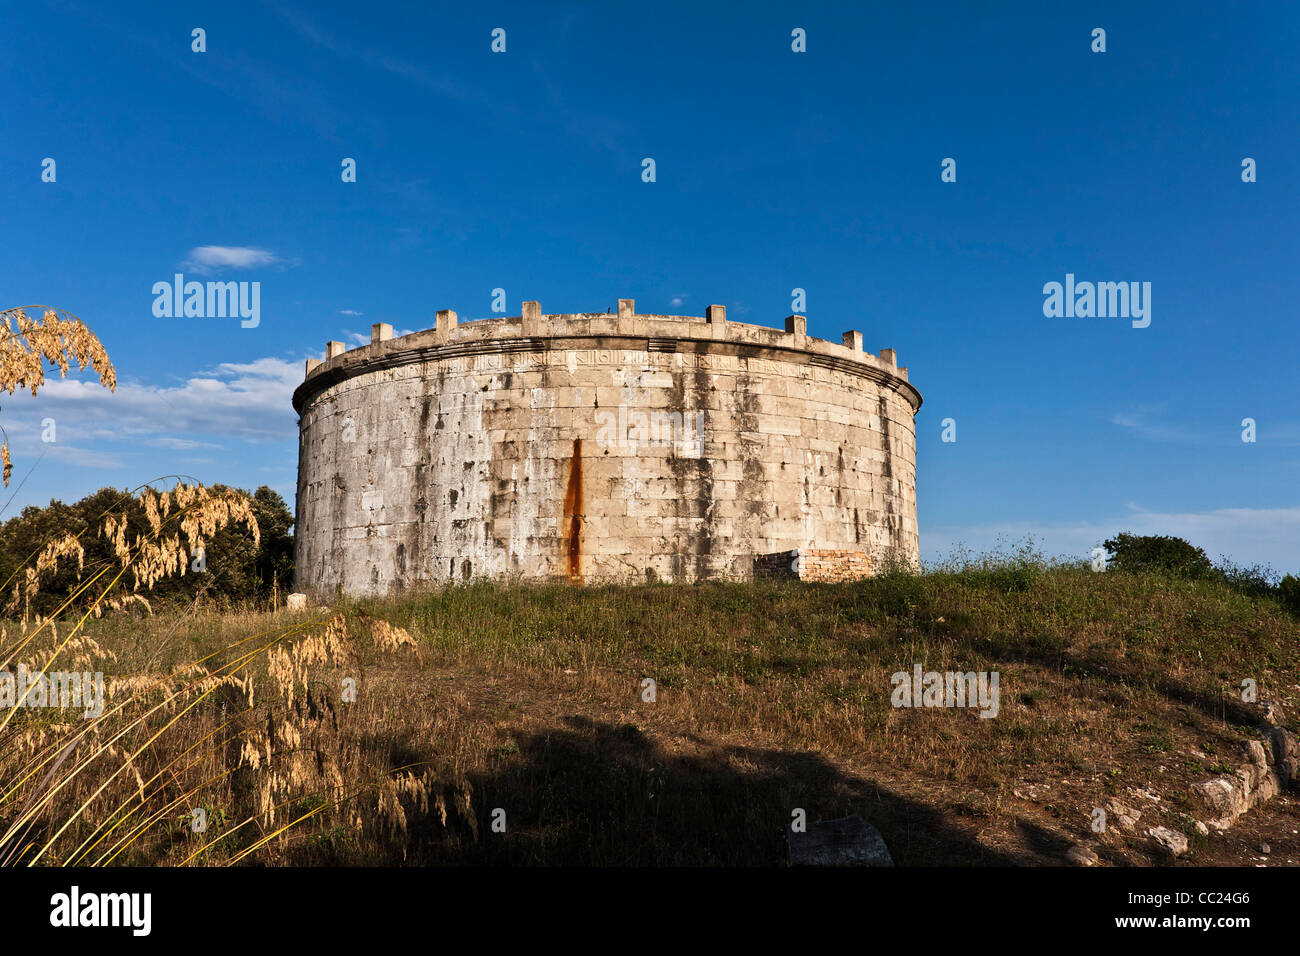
column 1081, row 856
column 1171, row 840
column 850, row 841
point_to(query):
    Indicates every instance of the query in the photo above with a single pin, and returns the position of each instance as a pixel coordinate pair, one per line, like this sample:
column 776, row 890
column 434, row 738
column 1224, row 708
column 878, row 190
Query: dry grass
column 179, row 760
column 180, row 735
column 57, row 339
column 770, row 697
column 88, row 790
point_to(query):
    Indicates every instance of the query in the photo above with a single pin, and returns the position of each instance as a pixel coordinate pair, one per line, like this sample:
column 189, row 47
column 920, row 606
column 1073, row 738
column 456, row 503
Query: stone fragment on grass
column 1171, row 840
column 849, row 841
column 1081, row 856
column 1228, row 796
column 1032, row 792
column 1127, row 817
column 1224, row 796
column 1286, row 757
column 296, row 602
column 1255, row 752
column 1270, row 712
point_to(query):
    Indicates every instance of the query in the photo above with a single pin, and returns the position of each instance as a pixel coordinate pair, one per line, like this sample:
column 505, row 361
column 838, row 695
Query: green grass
column 775, row 695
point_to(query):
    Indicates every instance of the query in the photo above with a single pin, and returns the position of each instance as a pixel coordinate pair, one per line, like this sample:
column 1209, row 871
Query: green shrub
column 1158, row 554
column 238, row 570
column 1289, row 591
column 1255, row 581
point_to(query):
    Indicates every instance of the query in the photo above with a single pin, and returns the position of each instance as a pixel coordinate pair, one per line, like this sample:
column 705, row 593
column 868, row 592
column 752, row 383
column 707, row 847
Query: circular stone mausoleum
column 602, row 447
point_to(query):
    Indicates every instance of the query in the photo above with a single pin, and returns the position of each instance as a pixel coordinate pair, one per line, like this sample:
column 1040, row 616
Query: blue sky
column 775, row 170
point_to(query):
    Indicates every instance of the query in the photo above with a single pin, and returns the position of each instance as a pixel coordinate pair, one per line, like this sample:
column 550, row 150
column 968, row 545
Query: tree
column 233, row 567
column 275, row 560
column 1159, row 554
column 1289, row 592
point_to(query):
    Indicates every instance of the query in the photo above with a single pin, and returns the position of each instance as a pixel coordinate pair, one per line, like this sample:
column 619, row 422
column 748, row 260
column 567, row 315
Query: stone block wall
column 599, row 447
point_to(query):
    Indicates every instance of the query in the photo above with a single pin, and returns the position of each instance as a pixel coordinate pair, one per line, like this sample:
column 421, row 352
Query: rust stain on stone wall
column 573, row 512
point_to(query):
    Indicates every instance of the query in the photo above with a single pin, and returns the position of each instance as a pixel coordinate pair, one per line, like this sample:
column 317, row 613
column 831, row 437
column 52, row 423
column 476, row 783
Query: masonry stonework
column 600, row 447
column 826, row 565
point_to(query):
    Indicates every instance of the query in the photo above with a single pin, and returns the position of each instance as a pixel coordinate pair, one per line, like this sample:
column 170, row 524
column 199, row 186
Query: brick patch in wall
column 813, row 564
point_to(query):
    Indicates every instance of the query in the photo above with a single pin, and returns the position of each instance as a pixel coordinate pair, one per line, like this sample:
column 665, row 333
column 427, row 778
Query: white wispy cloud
column 180, row 444
column 350, row 312
column 1149, row 423
column 206, row 259
column 1152, row 423
column 286, row 97
column 75, row 455
column 248, row 401
column 1245, row 535
column 609, row 131
column 443, row 84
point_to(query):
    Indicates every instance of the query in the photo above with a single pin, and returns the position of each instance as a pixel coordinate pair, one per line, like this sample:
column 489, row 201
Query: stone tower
column 601, row 447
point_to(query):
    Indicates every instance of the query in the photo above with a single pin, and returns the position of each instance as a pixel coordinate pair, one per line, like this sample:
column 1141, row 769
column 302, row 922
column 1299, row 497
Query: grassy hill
column 768, row 697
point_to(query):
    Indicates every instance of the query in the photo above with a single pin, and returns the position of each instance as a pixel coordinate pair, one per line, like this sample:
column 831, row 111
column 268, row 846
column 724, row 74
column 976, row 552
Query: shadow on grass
column 589, row 793
column 1124, row 675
